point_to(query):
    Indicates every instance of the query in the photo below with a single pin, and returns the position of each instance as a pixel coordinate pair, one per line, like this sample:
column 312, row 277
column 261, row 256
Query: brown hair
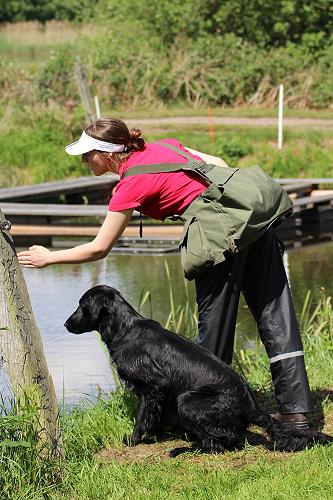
column 117, row 132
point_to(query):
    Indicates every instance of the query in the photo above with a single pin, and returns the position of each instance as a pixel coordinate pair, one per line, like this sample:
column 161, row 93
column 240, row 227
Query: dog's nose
column 66, row 324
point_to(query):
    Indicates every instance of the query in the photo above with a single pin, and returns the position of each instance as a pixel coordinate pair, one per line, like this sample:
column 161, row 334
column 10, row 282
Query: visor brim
column 78, row 148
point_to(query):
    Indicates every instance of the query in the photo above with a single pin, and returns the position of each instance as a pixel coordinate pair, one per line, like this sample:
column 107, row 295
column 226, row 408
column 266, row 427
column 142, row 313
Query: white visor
column 87, row 143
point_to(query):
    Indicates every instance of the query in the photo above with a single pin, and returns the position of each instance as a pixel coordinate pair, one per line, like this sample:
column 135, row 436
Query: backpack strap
column 198, row 166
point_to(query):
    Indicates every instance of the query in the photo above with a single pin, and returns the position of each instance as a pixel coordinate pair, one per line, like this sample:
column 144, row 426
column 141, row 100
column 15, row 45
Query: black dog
column 176, row 380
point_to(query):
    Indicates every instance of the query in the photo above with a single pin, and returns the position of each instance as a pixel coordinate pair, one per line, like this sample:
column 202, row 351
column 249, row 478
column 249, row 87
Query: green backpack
column 233, row 211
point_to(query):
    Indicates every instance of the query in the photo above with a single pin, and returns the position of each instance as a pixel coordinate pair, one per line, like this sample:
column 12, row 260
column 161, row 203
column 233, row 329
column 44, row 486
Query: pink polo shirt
column 157, row 195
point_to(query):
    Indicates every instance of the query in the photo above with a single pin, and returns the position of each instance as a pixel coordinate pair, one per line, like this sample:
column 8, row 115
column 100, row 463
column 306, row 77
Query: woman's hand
column 36, row 256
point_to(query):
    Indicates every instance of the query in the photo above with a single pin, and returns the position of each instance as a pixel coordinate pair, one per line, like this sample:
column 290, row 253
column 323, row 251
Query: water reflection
column 78, row 363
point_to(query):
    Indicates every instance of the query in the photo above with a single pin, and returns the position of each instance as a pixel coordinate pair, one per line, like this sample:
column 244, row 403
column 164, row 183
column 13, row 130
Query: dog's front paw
column 127, row 440
column 179, row 451
column 131, row 440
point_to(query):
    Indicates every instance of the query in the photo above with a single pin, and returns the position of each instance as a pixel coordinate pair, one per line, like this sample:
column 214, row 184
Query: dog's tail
column 289, row 438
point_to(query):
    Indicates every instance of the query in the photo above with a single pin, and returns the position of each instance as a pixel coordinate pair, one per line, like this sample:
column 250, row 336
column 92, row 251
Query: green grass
column 27, row 44
column 33, row 147
column 209, row 479
column 304, row 154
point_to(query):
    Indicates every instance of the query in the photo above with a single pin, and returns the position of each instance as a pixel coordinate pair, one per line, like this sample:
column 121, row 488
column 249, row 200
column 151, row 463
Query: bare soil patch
column 156, row 451
column 328, row 427
column 143, row 452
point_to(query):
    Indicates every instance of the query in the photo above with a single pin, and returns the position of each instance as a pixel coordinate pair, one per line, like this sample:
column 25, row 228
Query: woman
column 257, row 269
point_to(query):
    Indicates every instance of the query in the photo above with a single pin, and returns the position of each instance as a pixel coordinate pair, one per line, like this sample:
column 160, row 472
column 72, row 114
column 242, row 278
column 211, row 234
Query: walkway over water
column 77, row 207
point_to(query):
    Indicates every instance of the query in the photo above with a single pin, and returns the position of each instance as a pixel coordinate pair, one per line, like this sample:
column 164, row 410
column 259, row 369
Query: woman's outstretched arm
column 111, row 229
column 208, row 158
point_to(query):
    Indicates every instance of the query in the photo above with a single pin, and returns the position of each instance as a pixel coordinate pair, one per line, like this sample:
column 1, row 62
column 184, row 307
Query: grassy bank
column 32, row 146
column 98, row 466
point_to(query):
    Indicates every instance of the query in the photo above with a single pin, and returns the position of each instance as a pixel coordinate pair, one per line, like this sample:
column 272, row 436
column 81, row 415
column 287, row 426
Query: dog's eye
column 85, row 310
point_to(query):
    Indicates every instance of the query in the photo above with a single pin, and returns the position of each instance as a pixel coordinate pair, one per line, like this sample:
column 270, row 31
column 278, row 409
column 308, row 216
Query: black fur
column 176, row 380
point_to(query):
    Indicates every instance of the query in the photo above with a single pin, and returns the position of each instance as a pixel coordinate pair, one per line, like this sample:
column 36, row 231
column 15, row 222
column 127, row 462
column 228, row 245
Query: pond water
column 79, row 364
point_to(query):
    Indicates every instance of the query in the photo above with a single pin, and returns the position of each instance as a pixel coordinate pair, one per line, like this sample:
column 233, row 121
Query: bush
column 232, row 149
column 127, row 66
column 37, row 153
column 56, row 79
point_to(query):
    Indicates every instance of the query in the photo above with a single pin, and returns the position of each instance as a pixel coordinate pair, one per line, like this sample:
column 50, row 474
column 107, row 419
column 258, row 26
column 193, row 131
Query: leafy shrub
column 56, row 79
column 126, row 65
column 33, row 152
column 266, row 23
column 299, row 158
column 232, row 149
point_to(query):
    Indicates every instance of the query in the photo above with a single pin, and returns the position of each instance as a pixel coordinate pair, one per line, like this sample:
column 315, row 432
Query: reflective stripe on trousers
column 286, row 356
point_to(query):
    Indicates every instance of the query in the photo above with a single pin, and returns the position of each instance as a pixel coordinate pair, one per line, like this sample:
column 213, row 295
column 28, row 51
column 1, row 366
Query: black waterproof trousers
column 258, row 272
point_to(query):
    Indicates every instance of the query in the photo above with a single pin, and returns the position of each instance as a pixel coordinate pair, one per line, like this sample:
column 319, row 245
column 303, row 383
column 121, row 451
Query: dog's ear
column 100, row 307
column 94, row 304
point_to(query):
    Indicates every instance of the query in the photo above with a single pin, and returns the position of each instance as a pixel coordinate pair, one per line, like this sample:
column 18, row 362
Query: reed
column 182, row 317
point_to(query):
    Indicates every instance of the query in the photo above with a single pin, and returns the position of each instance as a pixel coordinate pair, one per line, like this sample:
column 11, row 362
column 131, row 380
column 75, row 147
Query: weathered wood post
column 85, row 93
column 21, row 347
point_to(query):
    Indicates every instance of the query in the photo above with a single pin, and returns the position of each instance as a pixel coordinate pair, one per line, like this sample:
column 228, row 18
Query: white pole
column 280, row 116
column 98, row 112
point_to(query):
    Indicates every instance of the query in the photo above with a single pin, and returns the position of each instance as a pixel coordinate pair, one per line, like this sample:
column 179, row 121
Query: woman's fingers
column 24, row 253
column 24, row 258
column 36, row 256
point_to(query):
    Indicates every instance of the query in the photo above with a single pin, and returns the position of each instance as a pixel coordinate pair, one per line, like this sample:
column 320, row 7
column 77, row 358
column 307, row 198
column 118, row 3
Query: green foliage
column 183, row 318
column 148, row 56
column 56, row 78
column 44, row 10
column 129, row 66
column 300, row 157
column 126, row 71
column 264, row 23
column 33, row 148
column 25, row 469
column 37, row 153
column 232, row 149
column 89, row 427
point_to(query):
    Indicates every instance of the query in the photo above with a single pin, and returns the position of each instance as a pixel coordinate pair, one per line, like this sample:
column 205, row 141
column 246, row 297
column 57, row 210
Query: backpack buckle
column 204, row 167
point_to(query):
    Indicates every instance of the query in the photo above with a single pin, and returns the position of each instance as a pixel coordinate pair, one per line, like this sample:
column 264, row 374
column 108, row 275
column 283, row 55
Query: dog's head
column 95, row 305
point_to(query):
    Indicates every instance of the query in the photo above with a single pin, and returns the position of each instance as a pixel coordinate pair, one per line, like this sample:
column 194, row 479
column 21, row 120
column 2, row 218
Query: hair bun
column 136, row 143
column 134, row 134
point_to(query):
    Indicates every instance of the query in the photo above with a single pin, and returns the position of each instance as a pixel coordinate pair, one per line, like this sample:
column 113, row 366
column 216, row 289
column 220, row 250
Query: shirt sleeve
column 129, row 193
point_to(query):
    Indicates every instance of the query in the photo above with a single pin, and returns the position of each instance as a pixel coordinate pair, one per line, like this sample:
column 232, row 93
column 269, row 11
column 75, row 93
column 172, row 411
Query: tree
column 21, row 348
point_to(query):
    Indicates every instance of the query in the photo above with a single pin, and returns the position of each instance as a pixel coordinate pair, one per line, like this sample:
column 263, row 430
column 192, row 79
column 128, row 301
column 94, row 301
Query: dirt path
column 299, row 123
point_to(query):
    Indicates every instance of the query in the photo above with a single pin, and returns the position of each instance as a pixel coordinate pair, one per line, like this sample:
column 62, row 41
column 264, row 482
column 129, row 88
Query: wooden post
column 211, row 126
column 280, row 119
column 85, row 93
column 97, row 108
column 21, row 348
